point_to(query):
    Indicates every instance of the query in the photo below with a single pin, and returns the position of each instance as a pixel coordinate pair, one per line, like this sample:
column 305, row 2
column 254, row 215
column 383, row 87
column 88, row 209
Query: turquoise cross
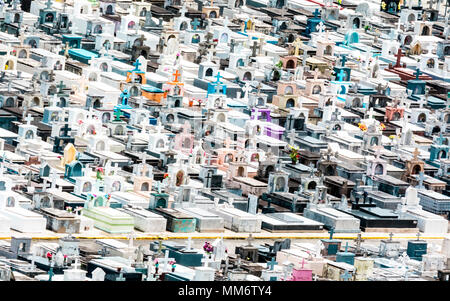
column 117, row 114
column 272, row 263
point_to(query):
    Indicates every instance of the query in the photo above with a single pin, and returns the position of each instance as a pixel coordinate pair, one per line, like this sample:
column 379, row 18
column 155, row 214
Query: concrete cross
column 370, row 115
column 166, row 260
column 358, row 242
column 416, row 154
column 254, row 48
column 398, row 56
column 316, row 74
column 76, row 264
column 321, row 28
column 177, row 74
column 195, row 24
column 131, row 238
column 378, row 150
column 418, row 235
column 331, row 233
column 54, row 178
column 346, row 247
column 341, row 75
column 247, row 89
column 292, row 136
column 65, row 130
column 117, row 114
column 189, row 244
column 238, row 264
column 421, row 178
column 316, row 13
column 206, row 260
column 335, row 115
column 225, row 22
column 418, row 73
column 271, row 264
column 390, row 236
column 303, row 262
column 250, row 239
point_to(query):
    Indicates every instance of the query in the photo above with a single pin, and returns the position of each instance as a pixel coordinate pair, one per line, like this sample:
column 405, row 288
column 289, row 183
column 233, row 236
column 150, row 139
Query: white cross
column 371, row 113
column 206, row 260
column 150, row 276
column 54, row 178
column 247, row 88
column 29, row 119
column 183, row 10
column 316, row 73
column 131, row 237
column 225, row 22
column 321, row 28
column 165, row 260
column 53, row 101
column 76, row 264
column 189, row 244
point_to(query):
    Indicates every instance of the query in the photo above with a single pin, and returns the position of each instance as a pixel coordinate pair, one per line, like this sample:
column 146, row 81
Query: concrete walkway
column 97, row 234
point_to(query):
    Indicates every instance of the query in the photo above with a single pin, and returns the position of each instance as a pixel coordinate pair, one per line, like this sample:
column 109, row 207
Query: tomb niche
column 266, row 167
column 287, row 96
column 278, row 182
column 327, row 166
column 143, row 182
column 372, row 137
column 238, row 166
column 394, row 112
column 73, row 169
column 413, row 167
column 289, row 62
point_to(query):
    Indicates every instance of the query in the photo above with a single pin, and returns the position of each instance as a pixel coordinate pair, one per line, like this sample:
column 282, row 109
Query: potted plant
column 208, row 248
column 100, row 173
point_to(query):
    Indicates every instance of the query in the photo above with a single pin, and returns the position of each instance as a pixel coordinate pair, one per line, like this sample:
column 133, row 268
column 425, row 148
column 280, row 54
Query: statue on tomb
column 343, row 204
column 139, row 255
column 59, row 258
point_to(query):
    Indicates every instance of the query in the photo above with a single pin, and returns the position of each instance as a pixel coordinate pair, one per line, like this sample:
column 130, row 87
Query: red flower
column 166, row 175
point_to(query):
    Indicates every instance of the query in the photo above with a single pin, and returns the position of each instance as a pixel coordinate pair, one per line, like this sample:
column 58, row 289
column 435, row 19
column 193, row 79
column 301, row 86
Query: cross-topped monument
column 341, row 75
column 195, row 24
column 29, row 119
column 417, row 73
column 321, row 28
column 176, row 75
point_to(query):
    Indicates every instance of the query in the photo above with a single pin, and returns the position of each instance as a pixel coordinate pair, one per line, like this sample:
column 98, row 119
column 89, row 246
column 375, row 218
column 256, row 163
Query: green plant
column 294, row 154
